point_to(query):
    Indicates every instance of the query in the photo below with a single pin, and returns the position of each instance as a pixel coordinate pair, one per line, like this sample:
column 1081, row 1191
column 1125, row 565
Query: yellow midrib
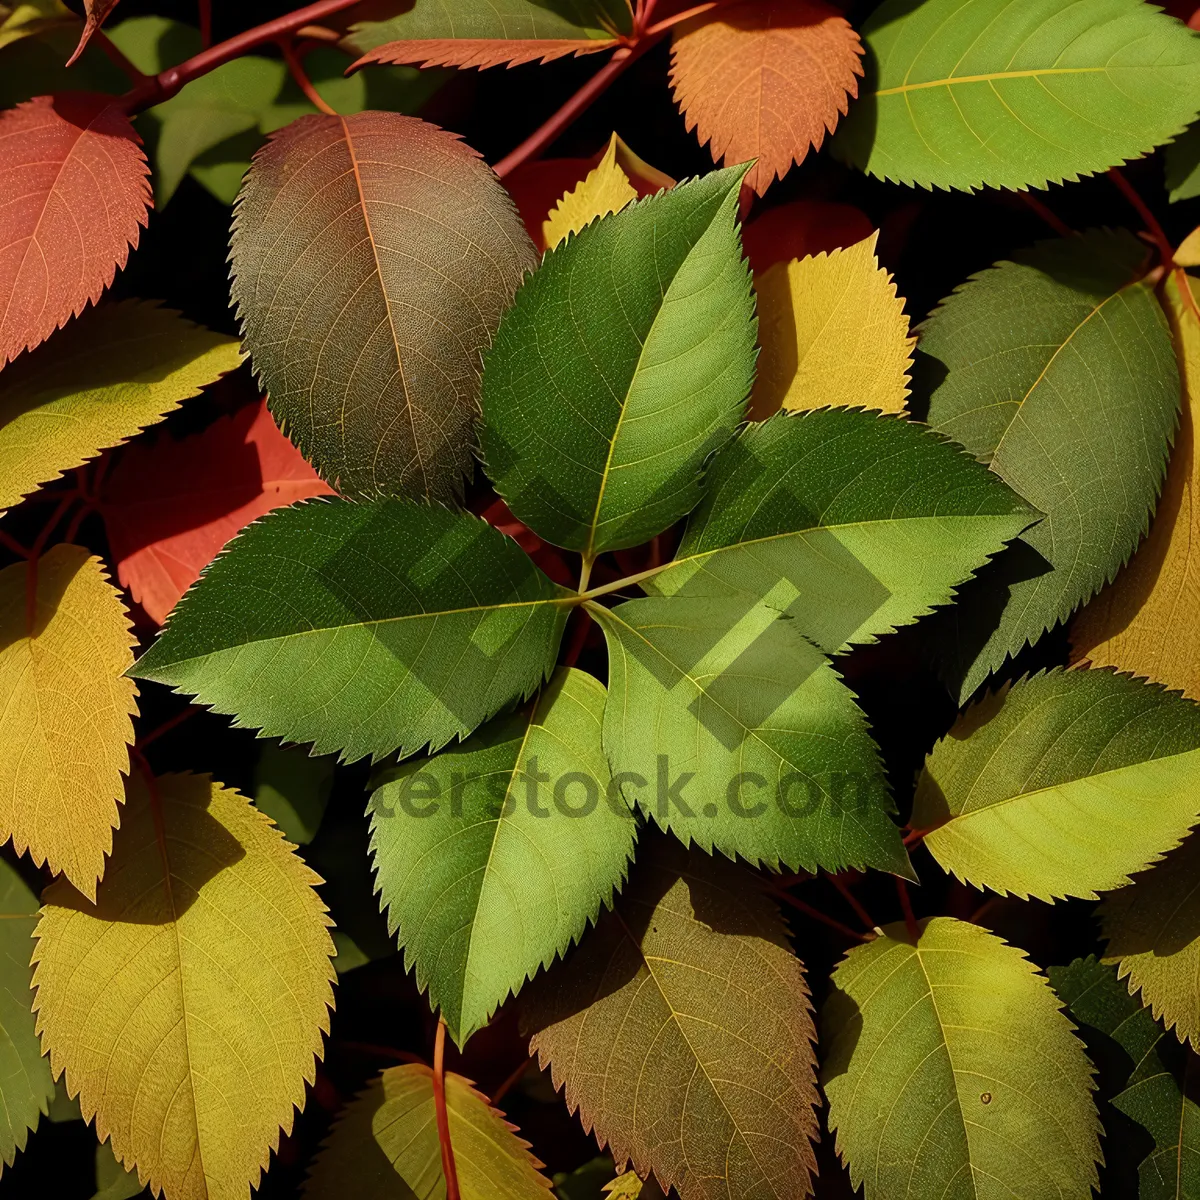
column 990, row 78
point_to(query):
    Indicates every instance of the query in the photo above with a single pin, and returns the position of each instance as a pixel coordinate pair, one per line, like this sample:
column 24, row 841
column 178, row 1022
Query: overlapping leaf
column 488, row 33
column 1142, row 622
column 170, row 507
column 1182, row 161
column 107, row 376
column 625, row 361
column 870, row 520
column 186, row 1005
column 95, row 12
column 364, row 627
column 765, row 80
column 1018, row 93
column 1059, row 372
column 25, row 1083
column 75, row 195
column 605, row 189
column 951, row 1070
column 373, row 256
column 293, row 789
column 32, row 17
column 682, row 1030
column 385, row 1146
column 1062, row 785
column 493, row 858
column 65, row 711
column 731, row 730
column 831, row 331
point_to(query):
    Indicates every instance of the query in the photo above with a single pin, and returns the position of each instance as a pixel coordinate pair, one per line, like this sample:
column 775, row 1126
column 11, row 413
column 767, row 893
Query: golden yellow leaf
column 1145, row 621
column 65, row 709
column 832, row 331
column 1188, row 254
column 606, row 189
column 187, row 1004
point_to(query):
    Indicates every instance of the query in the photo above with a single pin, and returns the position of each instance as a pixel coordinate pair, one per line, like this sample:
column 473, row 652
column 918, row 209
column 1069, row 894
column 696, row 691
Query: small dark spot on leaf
column 986, row 1098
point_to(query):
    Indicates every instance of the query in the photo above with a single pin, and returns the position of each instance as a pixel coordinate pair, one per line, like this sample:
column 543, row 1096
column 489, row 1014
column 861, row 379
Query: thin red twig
column 382, row 1052
column 906, row 907
column 975, row 916
column 1048, row 215
column 851, row 899
column 167, row 726
column 443, row 1119
column 1155, row 230
column 205, row 12
column 35, row 552
column 296, row 68
column 77, row 520
column 10, row 543
column 669, row 22
column 817, row 915
column 512, row 1081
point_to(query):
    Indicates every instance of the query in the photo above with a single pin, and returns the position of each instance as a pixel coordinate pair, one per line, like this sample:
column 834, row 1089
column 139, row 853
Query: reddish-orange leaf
column 802, row 229
column 765, row 79
column 73, row 193
column 96, row 11
column 481, row 52
column 171, row 506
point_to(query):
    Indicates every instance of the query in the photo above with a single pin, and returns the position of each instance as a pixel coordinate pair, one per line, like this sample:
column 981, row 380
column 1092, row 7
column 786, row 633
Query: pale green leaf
column 493, row 858
column 363, row 627
column 1060, row 373
column 952, row 1072
column 624, row 362
column 1062, row 785
column 385, row 1146
column 1017, row 93
column 869, row 522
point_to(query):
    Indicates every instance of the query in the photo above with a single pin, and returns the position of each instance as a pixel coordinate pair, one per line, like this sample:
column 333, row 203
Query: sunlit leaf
column 606, row 189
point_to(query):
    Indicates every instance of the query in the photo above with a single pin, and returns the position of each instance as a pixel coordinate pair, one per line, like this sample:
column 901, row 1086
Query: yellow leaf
column 385, row 1147
column 102, row 379
column 624, row 1187
column 832, row 331
column 187, row 1004
column 1188, row 254
column 605, row 190
column 19, row 21
column 65, row 709
column 1145, row 622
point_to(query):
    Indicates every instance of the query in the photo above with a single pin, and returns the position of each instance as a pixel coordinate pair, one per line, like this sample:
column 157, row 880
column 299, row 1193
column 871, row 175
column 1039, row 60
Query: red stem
column 166, row 84
column 512, row 1081
column 851, row 899
column 1155, row 230
column 443, row 1118
column 167, row 726
column 906, row 907
column 305, row 84
column 205, row 11
column 678, row 18
column 11, row 544
column 1048, row 215
column 818, row 915
column 117, row 58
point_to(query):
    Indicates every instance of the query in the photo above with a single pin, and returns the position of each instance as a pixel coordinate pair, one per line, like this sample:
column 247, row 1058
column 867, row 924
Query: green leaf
column 373, row 256
column 25, row 1084
column 682, row 1030
column 113, row 1182
column 732, row 731
column 1159, row 1092
column 1182, row 161
column 385, row 1146
column 1062, row 785
column 625, row 361
column 870, row 520
column 951, row 1070
column 363, row 627
column 1153, row 932
column 1060, row 373
column 488, row 874
column 1017, row 93
column 505, row 20
column 103, row 378
column 293, row 788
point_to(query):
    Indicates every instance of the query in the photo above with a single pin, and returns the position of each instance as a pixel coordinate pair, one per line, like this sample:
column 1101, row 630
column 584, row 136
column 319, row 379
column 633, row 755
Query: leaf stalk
column 443, row 1118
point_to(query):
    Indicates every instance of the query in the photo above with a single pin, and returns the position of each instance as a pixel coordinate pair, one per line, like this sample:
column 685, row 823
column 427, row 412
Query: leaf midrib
column 993, row 75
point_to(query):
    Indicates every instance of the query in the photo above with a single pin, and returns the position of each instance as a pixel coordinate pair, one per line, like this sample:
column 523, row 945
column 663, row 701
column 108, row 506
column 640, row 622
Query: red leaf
column 765, row 80
column 73, row 192
column 170, row 506
column 96, row 11
column 801, row 228
column 481, row 52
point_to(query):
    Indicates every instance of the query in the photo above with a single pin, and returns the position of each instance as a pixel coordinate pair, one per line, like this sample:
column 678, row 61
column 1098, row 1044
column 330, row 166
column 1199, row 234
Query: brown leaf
column 73, row 193
column 96, row 11
column 682, row 1029
column 765, row 80
column 481, row 52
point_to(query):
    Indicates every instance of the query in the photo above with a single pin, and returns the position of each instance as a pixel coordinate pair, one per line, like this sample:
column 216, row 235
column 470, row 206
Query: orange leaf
column 96, row 11
column 171, row 506
column 480, row 52
column 73, row 193
column 765, row 80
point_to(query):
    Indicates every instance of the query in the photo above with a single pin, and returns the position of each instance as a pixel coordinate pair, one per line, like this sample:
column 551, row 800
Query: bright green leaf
column 1060, row 373
column 1062, row 785
column 682, row 1030
column 363, row 627
column 102, row 379
column 385, row 1146
column 951, row 1071
column 624, row 362
column 867, row 521
column 493, row 858
column 1017, row 93
column 293, row 788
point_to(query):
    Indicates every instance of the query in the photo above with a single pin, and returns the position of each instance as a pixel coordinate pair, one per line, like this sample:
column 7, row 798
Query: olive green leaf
column 1060, row 373
column 493, row 857
column 951, row 1070
column 293, row 788
column 682, row 1030
column 1017, row 93
column 1182, row 162
column 363, row 627
column 1063, row 784
column 624, row 362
